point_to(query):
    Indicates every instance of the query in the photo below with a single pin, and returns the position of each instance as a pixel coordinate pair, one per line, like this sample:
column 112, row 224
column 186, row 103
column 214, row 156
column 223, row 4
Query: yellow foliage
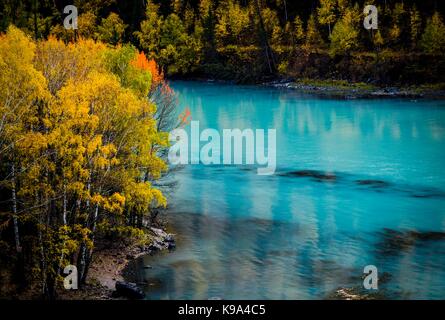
column 79, row 139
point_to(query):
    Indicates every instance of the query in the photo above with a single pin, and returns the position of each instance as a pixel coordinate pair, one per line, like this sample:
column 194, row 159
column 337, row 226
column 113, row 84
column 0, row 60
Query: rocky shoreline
column 338, row 89
column 105, row 279
column 358, row 91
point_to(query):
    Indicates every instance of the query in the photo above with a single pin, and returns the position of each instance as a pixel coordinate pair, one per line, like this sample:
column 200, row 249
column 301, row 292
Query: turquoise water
column 358, row 182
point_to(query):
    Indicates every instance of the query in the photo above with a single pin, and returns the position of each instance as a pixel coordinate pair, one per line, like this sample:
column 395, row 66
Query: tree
column 283, row 3
column 233, row 24
column 415, row 26
column 150, row 35
column 178, row 50
column 299, row 34
column 345, row 34
column 176, row 6
column 313, row 37
column 326, row 13
column 397, row 30
column 111, row 29
column 264, row 38
column 273, row 29
column 87, row 25
column 205, row 29
column 343, row 4
column 378, row 40
column 21, row 86
column 433, row 38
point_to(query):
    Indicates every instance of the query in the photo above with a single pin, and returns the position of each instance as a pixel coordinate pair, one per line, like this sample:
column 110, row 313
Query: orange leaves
column 155, row 72
column 142, row 63
column 185, row 117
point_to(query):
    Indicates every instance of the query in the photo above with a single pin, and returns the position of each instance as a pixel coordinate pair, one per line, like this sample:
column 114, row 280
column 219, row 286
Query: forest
column 258, row 40
column 81, row 142
column 85, row 113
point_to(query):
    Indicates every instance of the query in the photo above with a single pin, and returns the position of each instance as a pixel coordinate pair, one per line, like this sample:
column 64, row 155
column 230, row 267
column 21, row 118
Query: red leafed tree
column 160, row 93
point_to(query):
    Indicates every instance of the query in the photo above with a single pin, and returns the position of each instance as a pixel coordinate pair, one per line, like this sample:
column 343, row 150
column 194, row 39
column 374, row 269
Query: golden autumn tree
column 22, row 90
column 80, row 144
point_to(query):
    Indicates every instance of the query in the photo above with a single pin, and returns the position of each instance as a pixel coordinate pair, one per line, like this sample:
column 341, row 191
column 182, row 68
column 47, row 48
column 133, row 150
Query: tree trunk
column 81, row 262
column 89, row 255
column 14, row 212
column 265, row 42
column 285, row 10
column 64, row 214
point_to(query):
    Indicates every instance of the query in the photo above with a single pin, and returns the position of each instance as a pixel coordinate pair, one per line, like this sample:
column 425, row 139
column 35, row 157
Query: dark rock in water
column 417, row 195
column 317, row 175
column 428, row 193
column 155, row 247
column 427, row 236
column 148, row 267
column 373, row 183
column 171, row 245
column 169, row 238
column 394, row 242
column 128, row 290
column 385, row 277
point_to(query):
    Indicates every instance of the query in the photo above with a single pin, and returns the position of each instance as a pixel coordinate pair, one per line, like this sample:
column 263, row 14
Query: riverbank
column 341, row 89
column 107, row 267
column 109, row 262
column 357, row 90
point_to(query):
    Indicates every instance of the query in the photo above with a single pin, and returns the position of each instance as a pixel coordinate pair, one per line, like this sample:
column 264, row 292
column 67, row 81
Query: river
column 357, row 183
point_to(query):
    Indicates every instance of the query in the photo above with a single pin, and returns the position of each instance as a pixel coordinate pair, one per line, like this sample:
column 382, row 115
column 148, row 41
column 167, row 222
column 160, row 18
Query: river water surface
column 358, row 182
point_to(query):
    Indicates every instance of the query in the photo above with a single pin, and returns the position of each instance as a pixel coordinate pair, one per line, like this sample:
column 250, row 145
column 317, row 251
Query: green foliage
column 326, row 13
column 415, row 25
column 150, row 34
column 168, row 41
column 78, row 145
column 119, row 62
column 111, row 29
column 378, row 40
column 192, row 37
column 345, row 34
column 433, row 38
column 398, row 27
column 299, row 33
column 178, row 50
column 273, row 28
column 313, row 36
column 233, row 24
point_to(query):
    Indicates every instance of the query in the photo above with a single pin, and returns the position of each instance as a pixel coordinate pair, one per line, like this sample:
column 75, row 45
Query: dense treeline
column 250, row 40
column 81, row 144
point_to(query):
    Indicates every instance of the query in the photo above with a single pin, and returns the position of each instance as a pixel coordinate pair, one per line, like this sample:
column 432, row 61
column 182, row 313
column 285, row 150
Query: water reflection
column 300, row 234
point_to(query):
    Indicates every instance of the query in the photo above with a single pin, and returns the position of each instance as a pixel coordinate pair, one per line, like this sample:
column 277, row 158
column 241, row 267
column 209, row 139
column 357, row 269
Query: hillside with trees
column 257, row 40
